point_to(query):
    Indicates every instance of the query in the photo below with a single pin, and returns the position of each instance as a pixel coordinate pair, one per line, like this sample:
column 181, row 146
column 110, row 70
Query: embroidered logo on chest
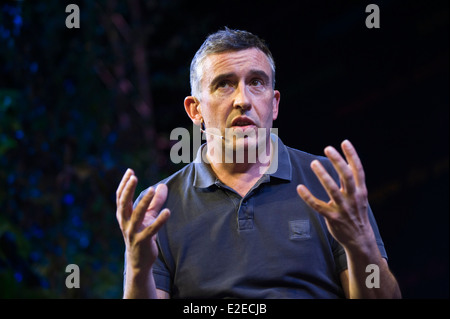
column 299, row 229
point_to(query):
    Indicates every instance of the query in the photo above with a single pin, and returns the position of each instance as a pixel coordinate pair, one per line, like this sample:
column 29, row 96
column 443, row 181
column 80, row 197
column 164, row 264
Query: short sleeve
column 340, row 257
column 161, row 274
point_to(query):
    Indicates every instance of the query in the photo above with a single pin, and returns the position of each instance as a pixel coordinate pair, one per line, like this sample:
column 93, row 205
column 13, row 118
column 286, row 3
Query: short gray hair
column 223, row 41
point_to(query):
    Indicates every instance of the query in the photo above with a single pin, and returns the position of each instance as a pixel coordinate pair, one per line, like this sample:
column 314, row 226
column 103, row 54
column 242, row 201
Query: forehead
column 238, row 62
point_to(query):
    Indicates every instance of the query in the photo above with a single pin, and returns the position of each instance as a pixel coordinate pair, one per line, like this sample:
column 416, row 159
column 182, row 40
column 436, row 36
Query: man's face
column 237, row 92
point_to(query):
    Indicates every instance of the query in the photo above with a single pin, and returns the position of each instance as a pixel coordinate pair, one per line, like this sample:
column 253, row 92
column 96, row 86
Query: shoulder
column 302, row 157
column 176, row 181
column 182, row 176
column 301, row 161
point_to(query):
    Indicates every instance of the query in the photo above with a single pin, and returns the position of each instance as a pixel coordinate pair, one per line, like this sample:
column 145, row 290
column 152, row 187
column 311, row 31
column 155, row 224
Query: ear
column 192, row 107
column 275, row 104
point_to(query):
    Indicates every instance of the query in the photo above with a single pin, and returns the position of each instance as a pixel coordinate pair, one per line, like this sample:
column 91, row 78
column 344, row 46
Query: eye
column 223, row 84
column 256, row 82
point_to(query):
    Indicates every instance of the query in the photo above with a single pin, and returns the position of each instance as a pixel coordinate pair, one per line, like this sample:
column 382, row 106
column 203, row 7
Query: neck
column 237, row 171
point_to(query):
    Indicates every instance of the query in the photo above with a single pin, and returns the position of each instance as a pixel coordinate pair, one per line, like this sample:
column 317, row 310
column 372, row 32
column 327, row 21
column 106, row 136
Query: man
column 293, row 226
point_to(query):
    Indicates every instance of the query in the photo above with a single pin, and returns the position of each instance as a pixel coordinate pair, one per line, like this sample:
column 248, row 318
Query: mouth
column 243, row 122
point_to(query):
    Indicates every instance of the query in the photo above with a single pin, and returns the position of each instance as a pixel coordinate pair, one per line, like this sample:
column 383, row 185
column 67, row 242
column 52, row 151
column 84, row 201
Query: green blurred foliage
column 77, row 109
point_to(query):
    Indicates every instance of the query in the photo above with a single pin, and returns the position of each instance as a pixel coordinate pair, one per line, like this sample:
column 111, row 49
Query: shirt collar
column 280, row 168
column 204, row 175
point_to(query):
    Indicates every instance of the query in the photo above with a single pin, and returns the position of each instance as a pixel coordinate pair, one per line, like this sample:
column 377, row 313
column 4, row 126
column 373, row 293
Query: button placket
column 245, row 215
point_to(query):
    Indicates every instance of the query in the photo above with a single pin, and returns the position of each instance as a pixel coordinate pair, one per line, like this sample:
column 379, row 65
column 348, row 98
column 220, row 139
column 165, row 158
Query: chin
column 241, row 150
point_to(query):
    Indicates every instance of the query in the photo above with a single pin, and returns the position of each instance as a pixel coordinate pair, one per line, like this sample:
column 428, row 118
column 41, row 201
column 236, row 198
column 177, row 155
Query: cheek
column 269, row 109
column 214, row 116
column 218, row 107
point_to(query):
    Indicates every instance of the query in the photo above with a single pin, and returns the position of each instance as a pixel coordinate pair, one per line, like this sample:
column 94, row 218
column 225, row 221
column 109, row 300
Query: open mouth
column 242, row 122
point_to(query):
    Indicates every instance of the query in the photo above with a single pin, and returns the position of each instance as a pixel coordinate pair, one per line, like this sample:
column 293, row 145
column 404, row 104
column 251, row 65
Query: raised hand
column 139, row 226
column 346, row 213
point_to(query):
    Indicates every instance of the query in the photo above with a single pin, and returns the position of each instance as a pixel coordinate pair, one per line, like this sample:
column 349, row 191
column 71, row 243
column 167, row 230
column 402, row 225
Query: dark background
column 79, row 106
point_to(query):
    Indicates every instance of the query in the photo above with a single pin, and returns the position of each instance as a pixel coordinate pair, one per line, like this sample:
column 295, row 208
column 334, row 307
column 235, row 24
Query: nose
column 242, row 99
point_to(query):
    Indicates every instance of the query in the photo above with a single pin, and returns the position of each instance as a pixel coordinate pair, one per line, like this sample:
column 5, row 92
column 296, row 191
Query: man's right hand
column 139, row 226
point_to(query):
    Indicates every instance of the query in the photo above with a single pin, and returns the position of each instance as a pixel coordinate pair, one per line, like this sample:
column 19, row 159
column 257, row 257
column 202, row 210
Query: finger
column 345, row 173
column 327, row 182
column 159, row 199
column 312, row 201
column 125, row 201
column 129, row 172
column 150, row 204
column 354, row 162
column 139, row 212
column 158, row 223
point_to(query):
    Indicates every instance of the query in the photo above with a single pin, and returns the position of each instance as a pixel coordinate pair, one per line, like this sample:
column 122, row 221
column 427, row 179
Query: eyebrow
column 220, row 78
column 261, row 74
column 253, row 73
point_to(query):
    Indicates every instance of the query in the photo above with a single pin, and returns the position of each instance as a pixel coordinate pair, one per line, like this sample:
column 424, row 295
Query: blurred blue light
column 35, row 256
column 35, row 193
column 45, row 146
column 4, row 33
column 18, row 276
column 19, row 134
column 17, row 25
column 44, row 283
column 84, row 241
column 33, row 179
column 68, row 199
column 11, row 178
column 37, row 232
column 76, row 221
column 57, row 250
column 39, row 110
column 7, row 101
column 34, row 66
column 17, row 21
column 112, row 137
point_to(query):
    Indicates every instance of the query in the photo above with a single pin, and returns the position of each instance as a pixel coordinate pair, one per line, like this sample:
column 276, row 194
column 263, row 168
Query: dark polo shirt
column 269, row 244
